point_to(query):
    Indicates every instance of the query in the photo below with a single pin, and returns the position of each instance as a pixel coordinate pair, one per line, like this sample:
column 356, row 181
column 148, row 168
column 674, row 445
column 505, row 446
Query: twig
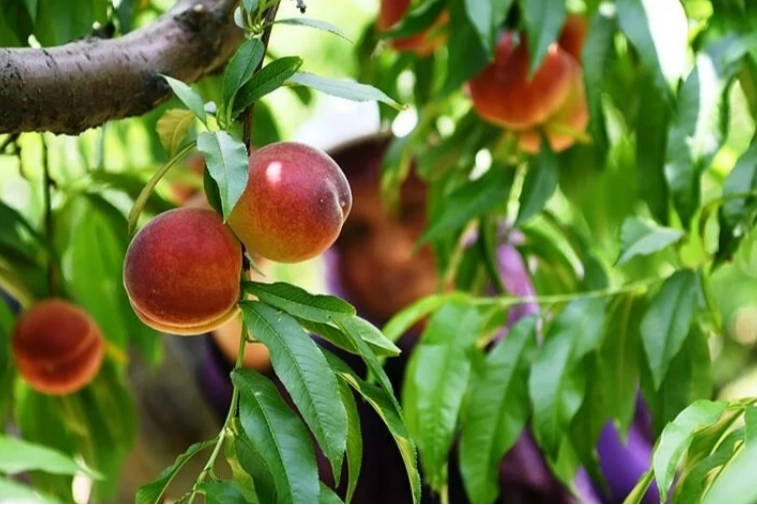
column 269, row 17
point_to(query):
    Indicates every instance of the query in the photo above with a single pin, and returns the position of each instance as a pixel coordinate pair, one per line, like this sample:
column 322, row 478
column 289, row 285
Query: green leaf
column 539, row 185
column 188, row 97
column 441, row 378
column 15, row 492
column 403, row 320
column 676, row 438
column 467, row 56
column 242, row 478
column 750, row 419
column 696, row 481
column 595, row 55
column 385, row 405
column 21, row 456
column 342, row 88
column 700, row 127
column 31, row 7
column 619, row 358
column 486, row 16
column 302, row 368
column 226, row 159
column 354, row 440
column 659, row 31
column 327, row 495
column 373, row 337
column 278, row 436
column 470, row 201
column 736, row 483
column 497, row 412
column 734, row 212
column 256, row 466
column 299, row 303
column 314, row 23
column 240, row 69
column 60, row 22
column 338, row 337
column 251, row 6
column 268, row 79
column 544, row 21
column 557, row 380
column 173, row 127
column 217, row 491
column 667, row 321
column 152, row 492
column 641, row 238
column 651, row 141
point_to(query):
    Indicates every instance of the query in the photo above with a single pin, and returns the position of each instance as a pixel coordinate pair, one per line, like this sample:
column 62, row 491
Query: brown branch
column 80, row 85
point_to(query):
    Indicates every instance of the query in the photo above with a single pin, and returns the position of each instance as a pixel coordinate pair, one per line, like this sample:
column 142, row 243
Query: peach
column 58, row 348
column 424, row 43
column 182, row 272
column 294, row 205
column 573, row 35
column 568, row 122
column 504, row 95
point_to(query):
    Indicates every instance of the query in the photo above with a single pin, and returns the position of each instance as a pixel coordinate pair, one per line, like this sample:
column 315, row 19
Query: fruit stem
column 269, row 17
column 208, row 468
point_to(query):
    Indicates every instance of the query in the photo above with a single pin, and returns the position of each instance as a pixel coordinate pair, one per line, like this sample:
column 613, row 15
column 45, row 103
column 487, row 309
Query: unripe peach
column 294, row 205
column 424, row 43
column 58, row 348
column 504, row 95
column 182, row 272
column 562, row 128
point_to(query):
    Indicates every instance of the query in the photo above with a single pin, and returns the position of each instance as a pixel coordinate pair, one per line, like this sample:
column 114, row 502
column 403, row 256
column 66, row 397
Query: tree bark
column 81, row 85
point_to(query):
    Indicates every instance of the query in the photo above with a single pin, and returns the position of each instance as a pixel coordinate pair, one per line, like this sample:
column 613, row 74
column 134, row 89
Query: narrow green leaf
column 386, row 407
column 676, row 438
column 241, row 68
column 470, row 201
column 736, row 483
column 486, row 16
column 734, row 212
column 21, row 456
column 342, row 88
column 354, row 440
column 31, row 7
column 750, row 419
column 659, row 30
column 337, row 336
column 314, row 23
column 15, row 492
column 251, row 6
column 642, row 238
column 328, row 495
column 173, row 127
column 407, row 317
column 373, row 336
column 152, row 492
column 691, row 488
column 255, row 466
column 278, row 436
column 188, row 97
column 268, row 79
column 540, row 184
column 557, row 380
column 299, row 303
column 651, row 147
column 641, row 487
column 240, row 477
column 467, row 55
column 226, row 159
column 441, row 378
column 218, row 491
column 544, row 21
column 667, row 321
column 497, row 412
column 302, row 368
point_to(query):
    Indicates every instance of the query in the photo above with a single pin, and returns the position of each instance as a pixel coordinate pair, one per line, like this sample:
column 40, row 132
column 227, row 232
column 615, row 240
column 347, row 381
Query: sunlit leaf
column 226, row 159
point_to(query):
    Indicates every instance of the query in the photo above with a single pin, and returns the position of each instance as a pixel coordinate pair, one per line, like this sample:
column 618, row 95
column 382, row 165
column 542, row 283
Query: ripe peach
column 423, row 44
column 58, row 348
column 182, row 272
column 294, row 205
column 569, row 120
column 573, row 35
column 504, row 95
